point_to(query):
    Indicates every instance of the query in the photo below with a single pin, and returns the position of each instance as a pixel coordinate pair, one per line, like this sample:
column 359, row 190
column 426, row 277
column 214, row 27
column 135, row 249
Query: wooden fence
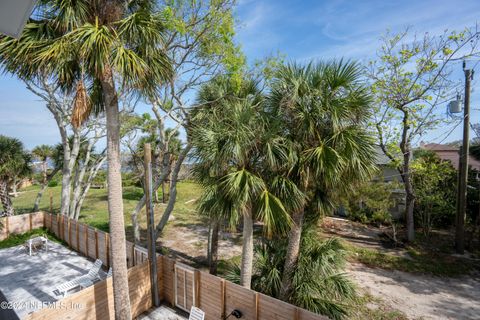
column 20, row 224
column 90, row 241
column 96, row 302
column 216, row 296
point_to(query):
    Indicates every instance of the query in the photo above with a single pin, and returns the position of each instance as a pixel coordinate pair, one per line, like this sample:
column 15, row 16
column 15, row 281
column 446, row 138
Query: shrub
column 319, row 283
column 370, row 202
column 434, row 183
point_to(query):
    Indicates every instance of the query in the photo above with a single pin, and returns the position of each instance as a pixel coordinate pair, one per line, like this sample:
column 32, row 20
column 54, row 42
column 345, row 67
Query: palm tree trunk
column 212, row 254
column 5, row 199
column 115, row 201
column 291, row 258
column 14, row 187
column 247, row 250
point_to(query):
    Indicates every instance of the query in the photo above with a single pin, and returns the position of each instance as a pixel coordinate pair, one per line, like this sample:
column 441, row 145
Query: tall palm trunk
column 212, row 254
column 247, row 250
column 115, row 201
column 291, row 258
column 5, row 198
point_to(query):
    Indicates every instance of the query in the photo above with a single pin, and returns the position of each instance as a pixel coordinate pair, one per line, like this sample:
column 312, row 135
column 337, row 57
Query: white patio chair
column 83, row 281
column 93, row 274
column 196, row 314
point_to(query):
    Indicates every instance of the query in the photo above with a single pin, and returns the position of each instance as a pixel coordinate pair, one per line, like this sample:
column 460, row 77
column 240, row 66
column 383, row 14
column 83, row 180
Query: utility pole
column 151, row 238
column 463, row 169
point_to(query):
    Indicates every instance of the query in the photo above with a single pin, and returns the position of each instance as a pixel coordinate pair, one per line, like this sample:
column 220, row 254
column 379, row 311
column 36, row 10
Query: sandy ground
column 417, row 296
column 421, row 296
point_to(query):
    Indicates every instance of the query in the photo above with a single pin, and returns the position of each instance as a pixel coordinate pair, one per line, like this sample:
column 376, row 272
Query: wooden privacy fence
column 96, row 302
column 20, row 224
column 90, row 241
column 178, row 285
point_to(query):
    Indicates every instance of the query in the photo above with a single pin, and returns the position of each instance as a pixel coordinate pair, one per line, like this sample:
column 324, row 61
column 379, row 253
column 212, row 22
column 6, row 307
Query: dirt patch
column 421, row 296
column 190, row 243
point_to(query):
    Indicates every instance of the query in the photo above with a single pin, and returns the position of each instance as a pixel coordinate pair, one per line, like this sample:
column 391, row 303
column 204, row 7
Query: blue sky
column 301, row 30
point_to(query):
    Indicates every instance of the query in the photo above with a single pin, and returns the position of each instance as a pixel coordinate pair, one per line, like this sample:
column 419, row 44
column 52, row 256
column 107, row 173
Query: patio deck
column 29, row 281
column 164, row 313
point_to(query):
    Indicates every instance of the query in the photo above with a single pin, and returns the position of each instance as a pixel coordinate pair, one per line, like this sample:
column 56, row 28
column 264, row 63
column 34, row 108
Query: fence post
column 86, row 239
column 196, row 278
column 77, row 228
column 256, row 297
column 70, row 233
column 150, row 223
column 96, row 244
column 44, row 219
column 58, row 226
column 30, row 221
column 51, row 202
column 133, row 255
column 297, row 313
column 107, row 249
column 223, row 292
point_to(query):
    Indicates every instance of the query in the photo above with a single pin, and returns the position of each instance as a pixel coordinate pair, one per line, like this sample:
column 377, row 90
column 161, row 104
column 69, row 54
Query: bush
column 370, row 202
column 319, row 283
column 434, row 183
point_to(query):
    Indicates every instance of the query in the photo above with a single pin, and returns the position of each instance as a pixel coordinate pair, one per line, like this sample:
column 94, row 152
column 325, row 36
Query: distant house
column 388, row 173
column 449, row 153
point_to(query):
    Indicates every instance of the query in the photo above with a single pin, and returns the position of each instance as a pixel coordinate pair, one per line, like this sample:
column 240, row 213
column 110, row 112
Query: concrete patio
column 164, row 313
column 28, row 282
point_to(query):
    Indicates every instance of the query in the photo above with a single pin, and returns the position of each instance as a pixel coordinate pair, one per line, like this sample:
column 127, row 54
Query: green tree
column 434, row 182
column 232, row 146
column 200, row 44
column 410, row 79
column 55, row 154
column 370, row 202
column 321, row 111
column 43, row 152
column 14, row 162
column 94, row 46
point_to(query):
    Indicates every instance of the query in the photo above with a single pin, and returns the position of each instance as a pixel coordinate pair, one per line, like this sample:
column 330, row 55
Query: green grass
column 18, row 239
column 418, row 262
column 95, row 207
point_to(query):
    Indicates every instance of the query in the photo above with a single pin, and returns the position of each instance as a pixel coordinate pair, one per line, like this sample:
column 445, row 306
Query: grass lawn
column 95, row 210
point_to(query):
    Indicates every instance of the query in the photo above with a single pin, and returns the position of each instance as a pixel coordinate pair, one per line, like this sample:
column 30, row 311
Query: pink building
column 450, row 153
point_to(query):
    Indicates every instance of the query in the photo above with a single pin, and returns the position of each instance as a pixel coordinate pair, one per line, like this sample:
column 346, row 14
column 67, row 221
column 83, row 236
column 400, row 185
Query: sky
column 299, row 30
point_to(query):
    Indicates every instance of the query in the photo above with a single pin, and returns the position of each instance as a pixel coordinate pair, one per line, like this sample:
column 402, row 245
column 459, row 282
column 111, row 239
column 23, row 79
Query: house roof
column 439, row 147
column 450, row 153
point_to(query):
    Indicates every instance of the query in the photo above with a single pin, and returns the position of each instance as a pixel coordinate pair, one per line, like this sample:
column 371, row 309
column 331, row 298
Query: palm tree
column 56, row 155
column 322, row 111
column 228, row 134
column 93, row 46
column 14, row 162
column 43, row 152
column 319, row 285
